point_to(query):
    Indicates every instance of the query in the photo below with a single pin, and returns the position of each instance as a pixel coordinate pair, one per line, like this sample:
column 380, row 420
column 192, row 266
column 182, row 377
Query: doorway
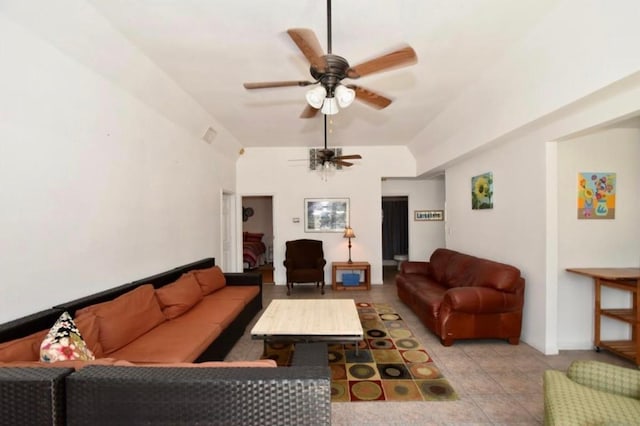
column 395, row 232
column 257, row 235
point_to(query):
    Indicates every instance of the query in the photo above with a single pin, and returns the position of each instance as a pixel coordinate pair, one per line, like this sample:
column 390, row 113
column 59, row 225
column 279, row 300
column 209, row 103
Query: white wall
column 578, row 48
column 522, row 229
column 99, row 187
column 513, row 231
column 596, row 243
column 269, row 171
column 424, row 237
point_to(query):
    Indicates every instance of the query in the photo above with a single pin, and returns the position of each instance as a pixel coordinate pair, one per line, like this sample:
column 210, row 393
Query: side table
column 354, row 266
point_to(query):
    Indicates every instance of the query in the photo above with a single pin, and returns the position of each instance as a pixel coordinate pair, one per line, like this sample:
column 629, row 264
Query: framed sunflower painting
column 482, row 191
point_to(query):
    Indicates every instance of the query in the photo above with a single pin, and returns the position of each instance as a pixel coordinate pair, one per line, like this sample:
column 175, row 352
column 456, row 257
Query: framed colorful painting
column 596, row 195
column 482, row 191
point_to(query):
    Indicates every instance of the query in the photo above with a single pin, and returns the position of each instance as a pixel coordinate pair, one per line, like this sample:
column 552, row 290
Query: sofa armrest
column 606, row 377
column 231, row 396
column 481, row 300
column 32, row 395
column 414, row 267
column 243, row 278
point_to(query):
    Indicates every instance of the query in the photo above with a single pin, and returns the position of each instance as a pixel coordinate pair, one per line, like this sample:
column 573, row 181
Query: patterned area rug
column 391, row 364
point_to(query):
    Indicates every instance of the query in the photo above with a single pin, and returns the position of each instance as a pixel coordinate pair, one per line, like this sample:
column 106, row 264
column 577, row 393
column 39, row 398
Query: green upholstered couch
column 592, row 393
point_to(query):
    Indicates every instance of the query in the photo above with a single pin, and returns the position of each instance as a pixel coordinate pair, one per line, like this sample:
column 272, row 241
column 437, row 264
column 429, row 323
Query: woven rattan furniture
column 32, row 396
column 296, row 395
column 592, row 393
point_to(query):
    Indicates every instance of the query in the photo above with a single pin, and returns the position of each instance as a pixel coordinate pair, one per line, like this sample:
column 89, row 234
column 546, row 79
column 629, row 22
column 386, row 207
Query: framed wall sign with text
column 425, row 215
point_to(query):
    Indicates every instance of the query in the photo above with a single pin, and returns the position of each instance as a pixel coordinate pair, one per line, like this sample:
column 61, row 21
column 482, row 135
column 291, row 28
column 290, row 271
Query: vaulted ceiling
column 211, row 47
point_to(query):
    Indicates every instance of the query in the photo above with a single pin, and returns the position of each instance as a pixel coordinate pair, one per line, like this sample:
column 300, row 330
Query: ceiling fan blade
column 308, row 43
column 398, row 58
column 348, row 157
column 370, row 97
column 309, row 112
column 271, row 84
column 343, row 163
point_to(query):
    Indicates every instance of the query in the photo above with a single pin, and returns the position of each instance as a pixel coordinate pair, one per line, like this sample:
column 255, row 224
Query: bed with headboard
column 253, row 250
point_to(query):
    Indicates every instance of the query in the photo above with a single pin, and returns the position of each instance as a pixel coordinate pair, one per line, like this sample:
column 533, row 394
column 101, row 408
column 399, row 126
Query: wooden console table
column 354, row 266
column 626, row 279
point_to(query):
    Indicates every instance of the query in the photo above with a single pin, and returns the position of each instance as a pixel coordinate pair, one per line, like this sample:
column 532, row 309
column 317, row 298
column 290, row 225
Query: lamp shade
column 330, row 106
column 315, row 97
column 348, row 232
column 345, row 96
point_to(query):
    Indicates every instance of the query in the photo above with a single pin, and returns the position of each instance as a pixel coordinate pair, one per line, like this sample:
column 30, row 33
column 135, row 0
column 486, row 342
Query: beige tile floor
column 498, row 384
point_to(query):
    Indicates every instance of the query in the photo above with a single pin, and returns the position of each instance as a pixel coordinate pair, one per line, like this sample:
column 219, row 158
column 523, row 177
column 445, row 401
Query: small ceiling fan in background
column 329, row 157
column 329, row 70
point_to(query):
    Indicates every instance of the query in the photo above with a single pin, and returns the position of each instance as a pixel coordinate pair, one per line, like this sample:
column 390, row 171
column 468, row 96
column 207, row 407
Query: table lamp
column 348, row 233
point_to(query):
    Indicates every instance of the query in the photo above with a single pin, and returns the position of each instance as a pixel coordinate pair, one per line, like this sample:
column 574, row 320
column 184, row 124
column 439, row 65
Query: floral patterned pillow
column 64, row 342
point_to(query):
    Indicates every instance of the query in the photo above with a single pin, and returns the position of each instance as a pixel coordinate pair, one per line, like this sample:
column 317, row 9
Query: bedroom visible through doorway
column 257, row 235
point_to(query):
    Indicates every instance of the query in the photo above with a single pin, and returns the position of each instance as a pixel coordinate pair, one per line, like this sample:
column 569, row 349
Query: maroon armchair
column 304, row 260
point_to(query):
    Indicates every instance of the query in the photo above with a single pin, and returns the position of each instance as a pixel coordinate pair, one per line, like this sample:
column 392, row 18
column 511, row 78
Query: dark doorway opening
column 395, row 230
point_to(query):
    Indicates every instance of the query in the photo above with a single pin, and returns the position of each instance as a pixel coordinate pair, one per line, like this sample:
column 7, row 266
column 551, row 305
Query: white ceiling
column 210, row 47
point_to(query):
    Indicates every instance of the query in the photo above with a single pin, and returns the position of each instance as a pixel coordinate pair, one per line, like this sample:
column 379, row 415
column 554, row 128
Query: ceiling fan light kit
column 316, row 96
column 330, row 106
column 345, row 96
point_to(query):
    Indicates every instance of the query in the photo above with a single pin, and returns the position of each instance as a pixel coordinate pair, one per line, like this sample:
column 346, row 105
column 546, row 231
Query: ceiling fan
column 329, row 70
column 327, row 157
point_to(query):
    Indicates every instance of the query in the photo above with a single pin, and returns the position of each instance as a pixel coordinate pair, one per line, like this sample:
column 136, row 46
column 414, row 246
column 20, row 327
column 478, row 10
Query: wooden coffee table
column 303, row 320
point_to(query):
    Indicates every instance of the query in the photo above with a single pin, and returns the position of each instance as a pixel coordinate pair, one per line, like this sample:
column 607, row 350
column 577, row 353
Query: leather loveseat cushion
column 126, row 317
column 180, row 296
column 210, row 279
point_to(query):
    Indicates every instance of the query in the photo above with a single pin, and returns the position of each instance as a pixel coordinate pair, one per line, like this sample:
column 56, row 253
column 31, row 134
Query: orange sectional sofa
column 160, row 336
column 177, row 316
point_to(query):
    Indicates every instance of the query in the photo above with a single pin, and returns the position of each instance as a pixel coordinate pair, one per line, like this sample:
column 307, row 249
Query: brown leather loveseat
column 458, row 296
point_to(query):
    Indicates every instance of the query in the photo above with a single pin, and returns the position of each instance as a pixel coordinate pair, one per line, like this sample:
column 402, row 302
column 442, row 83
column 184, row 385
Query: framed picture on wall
column 482, row 191
column 326, row 214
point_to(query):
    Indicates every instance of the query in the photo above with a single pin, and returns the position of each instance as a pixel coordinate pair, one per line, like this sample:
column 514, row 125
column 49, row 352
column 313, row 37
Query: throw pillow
column 210, row 279
column 64, row 342
column 251, row 236
column 180, row 296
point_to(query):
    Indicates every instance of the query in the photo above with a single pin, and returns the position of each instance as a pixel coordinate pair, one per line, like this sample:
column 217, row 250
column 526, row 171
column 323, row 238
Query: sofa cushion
column 216, row 310
column 126, row 317
column 260, row 363
column 210, row 279
column 180, row 296
column 64, row 342
column 182, row 339
column 495, row 275
column 76, row 364
column 438, row 263
column 460, row 270
column 23, row 349
column 245, row 293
